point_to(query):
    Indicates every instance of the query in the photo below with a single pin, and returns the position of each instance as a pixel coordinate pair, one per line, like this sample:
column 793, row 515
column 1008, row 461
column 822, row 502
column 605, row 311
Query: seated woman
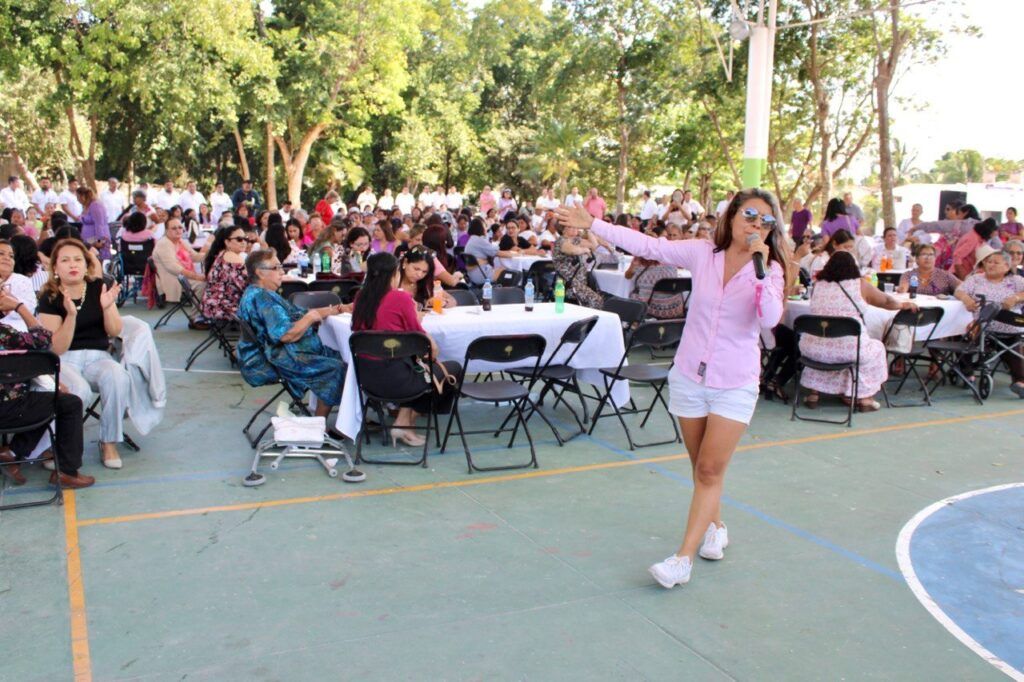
column 931, row 280
column 569, row 256
column 383, row 237
column 841, row 291
column 277, row 241
column 354, row 252
column 81, row 313
column 287, row 335
column 380, row 306
column 483, row 250
column 174, row 256
column 20, row 406
column 435, row 238
column 646, row 273
column 417, row 268
column 1013, row 248
column 27, row 261
column 225, row 274
column 413, row 238
column 997, row 285
column 964, row 262
column 136, row 229
column 16, row 285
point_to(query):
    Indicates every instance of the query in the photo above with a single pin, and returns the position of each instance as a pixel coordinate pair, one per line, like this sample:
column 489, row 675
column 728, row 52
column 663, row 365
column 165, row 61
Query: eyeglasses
column 751, row 215
column 272, row 268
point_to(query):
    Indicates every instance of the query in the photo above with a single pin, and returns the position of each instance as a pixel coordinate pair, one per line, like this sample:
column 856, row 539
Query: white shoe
column 673, row 571
column 715, row 541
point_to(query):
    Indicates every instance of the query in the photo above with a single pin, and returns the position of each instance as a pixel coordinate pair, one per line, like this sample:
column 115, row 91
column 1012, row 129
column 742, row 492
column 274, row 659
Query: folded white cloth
column 299, row 430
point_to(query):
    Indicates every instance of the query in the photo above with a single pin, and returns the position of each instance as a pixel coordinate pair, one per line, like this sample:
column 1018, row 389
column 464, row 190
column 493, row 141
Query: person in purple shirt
column 799, row 220
column 836, row 219
column 95, row 231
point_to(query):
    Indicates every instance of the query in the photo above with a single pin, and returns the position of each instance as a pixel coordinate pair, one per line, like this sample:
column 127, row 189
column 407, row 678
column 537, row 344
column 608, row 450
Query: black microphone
column 758, row 258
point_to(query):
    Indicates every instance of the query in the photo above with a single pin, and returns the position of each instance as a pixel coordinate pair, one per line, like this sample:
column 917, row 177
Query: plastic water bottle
column 913, row 285
column 486, row 296
column 316, row 265
column 303, row 261
column 559, row 296
column 529, row 294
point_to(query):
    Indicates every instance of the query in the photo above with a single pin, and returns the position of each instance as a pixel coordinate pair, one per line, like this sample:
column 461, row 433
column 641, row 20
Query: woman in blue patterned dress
column 287, row 335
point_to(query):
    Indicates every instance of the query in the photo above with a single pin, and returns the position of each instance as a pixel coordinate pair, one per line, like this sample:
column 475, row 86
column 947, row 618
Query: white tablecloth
column 614, row 282
column 954, row 322
column 456, row 328
column 520, row 263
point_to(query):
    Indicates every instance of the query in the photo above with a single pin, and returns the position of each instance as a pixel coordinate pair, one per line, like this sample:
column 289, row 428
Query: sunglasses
column 236, row 239
column 751, row 215
column 252, row 241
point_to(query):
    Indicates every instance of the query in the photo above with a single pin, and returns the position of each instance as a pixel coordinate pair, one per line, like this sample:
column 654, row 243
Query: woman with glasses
column 713, row 384
column 931, row 280
column 417, row 268
column 174, row 256
column 1015, row 250
column 225, row 274
column 288, row 336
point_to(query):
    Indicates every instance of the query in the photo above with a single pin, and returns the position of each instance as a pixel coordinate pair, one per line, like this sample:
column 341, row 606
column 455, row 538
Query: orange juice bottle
column 437, row 301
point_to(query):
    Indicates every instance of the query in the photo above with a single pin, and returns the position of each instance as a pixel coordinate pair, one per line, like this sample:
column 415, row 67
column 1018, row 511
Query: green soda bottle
column 325, row 260
column 559, row 296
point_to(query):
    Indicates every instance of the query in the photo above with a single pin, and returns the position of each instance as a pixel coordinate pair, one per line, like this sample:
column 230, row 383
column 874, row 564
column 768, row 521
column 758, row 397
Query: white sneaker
column 673, row 571
column 715, row 541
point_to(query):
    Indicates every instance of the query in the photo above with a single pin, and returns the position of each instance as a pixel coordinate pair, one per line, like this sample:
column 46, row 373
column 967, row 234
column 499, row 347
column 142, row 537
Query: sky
column 974, row 95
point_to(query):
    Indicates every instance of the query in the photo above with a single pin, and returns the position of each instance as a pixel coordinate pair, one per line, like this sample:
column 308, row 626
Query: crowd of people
column 234, row 253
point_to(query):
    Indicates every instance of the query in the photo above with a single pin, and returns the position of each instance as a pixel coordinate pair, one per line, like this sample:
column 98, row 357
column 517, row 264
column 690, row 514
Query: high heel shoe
column 407, row 437
column 772, row 390
column 110, row 462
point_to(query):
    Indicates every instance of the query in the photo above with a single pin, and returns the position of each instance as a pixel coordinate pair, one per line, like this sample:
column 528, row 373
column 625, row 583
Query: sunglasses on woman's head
column 751, row 215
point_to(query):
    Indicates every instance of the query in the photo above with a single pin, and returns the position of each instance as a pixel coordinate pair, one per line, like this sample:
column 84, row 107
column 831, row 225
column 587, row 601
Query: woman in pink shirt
column 713, row 384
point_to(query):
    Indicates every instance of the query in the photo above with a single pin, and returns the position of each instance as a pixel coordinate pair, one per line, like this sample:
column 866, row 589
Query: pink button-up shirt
column 720, row 339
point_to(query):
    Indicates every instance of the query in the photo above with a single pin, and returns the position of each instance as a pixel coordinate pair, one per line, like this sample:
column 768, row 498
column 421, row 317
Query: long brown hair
column 778, row 248
column 93, row 270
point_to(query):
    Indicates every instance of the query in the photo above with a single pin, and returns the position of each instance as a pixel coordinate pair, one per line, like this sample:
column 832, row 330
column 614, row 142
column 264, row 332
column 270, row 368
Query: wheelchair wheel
column 985, row 386
column 116, row 270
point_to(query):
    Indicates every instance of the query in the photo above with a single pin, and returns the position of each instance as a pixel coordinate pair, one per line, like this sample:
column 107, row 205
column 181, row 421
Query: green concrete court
column 435, row 574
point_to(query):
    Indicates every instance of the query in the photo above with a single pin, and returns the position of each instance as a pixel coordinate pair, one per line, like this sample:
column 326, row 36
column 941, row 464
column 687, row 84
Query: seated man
column 19, row 405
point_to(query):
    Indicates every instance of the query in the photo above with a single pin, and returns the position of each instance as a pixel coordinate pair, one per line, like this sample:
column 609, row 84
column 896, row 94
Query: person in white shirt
column 724, row 203
column 13, row 196
column 44, row 195
column 366, row 198
column 695, row 208
column 68, row 202
column 547, row 201
column 167, row 198
column 537, row 219
column 649, row 208
column 574, row 199
column 864, row 248
column 191, row 198
column 150, row 192
column 113, row 200
column 286, row 211
column 453, row 200
column 18, row 286
column 219, row 202
column 386, row 202
column 907, row 226
column 890, row 248
column 426, row 197
column 405, row 201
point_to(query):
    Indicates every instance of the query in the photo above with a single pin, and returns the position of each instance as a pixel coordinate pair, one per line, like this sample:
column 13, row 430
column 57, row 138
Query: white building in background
column 991, row 199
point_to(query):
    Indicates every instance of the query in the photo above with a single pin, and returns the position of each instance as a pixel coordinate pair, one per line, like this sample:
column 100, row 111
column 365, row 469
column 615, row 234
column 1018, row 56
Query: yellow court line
column 76, row 593
column 130, row 518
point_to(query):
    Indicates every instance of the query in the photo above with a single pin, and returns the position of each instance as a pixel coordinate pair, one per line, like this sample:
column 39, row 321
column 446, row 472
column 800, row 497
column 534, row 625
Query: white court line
column 907, row 568
column 201, row 371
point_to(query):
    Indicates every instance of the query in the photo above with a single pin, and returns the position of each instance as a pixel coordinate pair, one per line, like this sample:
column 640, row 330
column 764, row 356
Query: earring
column 56, row 276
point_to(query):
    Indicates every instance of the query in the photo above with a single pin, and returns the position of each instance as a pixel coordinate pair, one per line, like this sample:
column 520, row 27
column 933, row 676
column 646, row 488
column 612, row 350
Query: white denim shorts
column 687, row 398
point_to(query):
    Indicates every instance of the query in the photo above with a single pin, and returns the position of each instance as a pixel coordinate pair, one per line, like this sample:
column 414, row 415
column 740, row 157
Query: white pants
column 86, row 372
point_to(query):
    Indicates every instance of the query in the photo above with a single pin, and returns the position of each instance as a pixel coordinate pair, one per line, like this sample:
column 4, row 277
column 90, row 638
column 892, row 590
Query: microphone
column 758, row 258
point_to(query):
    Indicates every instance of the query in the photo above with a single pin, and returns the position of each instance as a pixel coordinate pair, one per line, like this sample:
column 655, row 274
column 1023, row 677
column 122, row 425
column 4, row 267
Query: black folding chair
column 463, row 297
column 21, row 367
column 314, row 299
column 344, row 289
column 655, row 335
column 892, row 278
column 248, row 335
column 509, row 278
column 912, row 320
column 506, row 350
column 542, row 273
column 221, row 332
column 507, row 296
column 180, row 306
column 291, row 287
column 559, row 377
column 369, row 349
column 631, row 313
column 827, row 327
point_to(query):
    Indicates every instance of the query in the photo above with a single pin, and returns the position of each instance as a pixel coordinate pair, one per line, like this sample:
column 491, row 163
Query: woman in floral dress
column 225, row 274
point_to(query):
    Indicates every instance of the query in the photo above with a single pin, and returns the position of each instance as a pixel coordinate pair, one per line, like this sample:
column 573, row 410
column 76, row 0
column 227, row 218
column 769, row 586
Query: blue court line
column 767, row 518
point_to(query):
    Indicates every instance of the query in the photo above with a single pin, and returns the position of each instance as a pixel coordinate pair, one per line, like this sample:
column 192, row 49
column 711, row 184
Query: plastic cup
column 890, row 288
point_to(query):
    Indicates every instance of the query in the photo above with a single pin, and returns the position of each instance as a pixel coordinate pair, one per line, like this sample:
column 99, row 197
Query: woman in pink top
column 713, row 384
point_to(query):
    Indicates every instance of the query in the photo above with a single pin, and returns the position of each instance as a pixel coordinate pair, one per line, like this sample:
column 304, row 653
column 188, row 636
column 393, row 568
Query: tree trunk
column 885, row 70
column 295, row 166
column 23, row 169
column 821, row 113
column 89, row 163
column 271, row 189
column 243, row 161
column 620, row 182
